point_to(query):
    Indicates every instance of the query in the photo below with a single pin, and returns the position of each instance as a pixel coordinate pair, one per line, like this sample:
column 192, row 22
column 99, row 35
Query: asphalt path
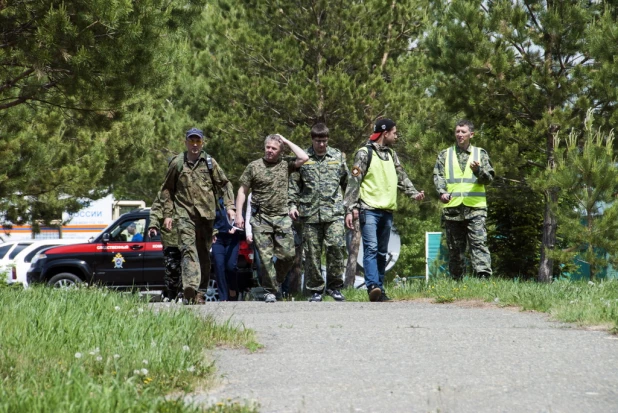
column 412, row 357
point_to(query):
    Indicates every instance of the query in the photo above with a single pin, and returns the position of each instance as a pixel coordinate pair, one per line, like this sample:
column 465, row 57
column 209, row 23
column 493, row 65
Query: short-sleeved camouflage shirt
column 268, row 183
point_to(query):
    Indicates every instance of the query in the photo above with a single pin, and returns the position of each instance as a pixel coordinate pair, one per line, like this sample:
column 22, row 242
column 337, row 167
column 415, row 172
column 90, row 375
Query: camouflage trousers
column 173, row 272
column 328, row 237
column 195, row 239
column 473, row 234
column 273, row 237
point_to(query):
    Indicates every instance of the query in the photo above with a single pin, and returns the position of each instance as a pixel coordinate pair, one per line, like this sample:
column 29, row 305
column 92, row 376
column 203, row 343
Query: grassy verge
column 100, row 351
column 583, row 303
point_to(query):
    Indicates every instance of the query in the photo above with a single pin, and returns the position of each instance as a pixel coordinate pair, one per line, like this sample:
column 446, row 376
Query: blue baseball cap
column 194, row 132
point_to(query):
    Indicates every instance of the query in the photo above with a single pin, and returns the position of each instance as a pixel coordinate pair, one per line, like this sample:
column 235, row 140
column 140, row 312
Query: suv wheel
column 212, row 292
column 64, row 280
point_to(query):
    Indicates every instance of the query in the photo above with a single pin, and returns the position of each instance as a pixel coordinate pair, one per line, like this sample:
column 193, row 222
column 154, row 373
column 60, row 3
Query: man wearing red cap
column 371, row 196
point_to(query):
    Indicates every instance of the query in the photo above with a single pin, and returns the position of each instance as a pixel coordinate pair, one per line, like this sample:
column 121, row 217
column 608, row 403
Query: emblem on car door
column 118, row 260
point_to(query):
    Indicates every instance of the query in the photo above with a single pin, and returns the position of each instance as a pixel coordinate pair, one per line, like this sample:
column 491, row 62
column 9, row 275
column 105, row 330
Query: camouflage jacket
column 268, row 182
column 168, row 238
column 314, row 188
column 352, row 195
column 190, row 188
column 484, row 175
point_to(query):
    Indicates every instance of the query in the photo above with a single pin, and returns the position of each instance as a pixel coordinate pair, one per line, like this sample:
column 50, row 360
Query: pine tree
column 281, row 67
column 75, row 116
column 587, row 176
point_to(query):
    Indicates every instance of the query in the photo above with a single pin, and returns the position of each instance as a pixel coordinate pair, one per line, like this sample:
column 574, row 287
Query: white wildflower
column 144, row 371
column 136, row 372
column 78, row 355
column 140, row 310
column 590, row 283
column 191, row 369
column 117, row 308
column 99, row 358
column 145, row 361
column 116, row 356
column 185, row 348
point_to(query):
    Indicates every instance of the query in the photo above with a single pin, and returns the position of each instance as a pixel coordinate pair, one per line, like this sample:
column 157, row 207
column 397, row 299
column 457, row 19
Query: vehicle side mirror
column 105, row 237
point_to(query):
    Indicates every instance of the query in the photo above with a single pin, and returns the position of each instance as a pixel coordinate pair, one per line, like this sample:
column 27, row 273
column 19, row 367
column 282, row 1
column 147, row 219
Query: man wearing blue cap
column 371, row 196
column 189, row 190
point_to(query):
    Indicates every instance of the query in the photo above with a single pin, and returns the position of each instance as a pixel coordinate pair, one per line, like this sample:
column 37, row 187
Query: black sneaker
column 374, row 293
column 315, row 298
column 384, row 298
column 336, row 294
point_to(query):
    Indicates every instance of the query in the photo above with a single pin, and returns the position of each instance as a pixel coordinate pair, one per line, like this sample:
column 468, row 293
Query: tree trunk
column 350, row 269
column 551, row 195
column 549, row 238
column 550, row 224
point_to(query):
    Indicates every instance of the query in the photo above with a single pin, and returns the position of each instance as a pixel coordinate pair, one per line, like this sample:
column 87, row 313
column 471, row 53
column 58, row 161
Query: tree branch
column 10, row 83
column 15, row 102
column 388, row 37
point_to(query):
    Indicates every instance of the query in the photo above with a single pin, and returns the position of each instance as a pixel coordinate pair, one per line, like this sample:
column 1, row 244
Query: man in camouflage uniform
column 460, row 175
column 267, row 179
column 191, row 181
column 372, row 197
column 171, row 252
column 316, row 199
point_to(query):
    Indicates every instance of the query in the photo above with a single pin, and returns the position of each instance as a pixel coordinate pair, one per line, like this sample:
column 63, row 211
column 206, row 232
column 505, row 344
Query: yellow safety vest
column 463, row 185
column 379, row 186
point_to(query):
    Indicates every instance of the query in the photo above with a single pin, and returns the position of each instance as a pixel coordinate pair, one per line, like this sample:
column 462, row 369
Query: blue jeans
column 376, row 230
column 225, row 255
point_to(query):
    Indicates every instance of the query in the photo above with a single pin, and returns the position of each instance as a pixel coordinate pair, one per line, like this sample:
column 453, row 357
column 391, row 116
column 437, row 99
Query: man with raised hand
column 267, row 180
column 372, row 197
column 460, row 175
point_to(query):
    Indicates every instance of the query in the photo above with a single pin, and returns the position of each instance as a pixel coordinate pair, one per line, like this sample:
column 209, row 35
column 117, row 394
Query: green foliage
column 99, row 351
column 514, row 222
column 88, row 55
column 75, row 114
column 588, row 179
column 281, row 67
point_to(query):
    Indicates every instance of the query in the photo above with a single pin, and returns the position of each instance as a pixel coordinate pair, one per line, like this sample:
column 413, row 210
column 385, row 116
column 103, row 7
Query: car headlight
column 39, row 256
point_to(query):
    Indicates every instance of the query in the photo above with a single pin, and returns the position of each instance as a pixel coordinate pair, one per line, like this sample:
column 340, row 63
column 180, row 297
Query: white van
column 16, row 256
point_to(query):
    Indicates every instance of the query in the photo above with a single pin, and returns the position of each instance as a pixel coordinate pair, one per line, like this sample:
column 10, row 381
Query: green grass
column 583, row 303
column 94, row 350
